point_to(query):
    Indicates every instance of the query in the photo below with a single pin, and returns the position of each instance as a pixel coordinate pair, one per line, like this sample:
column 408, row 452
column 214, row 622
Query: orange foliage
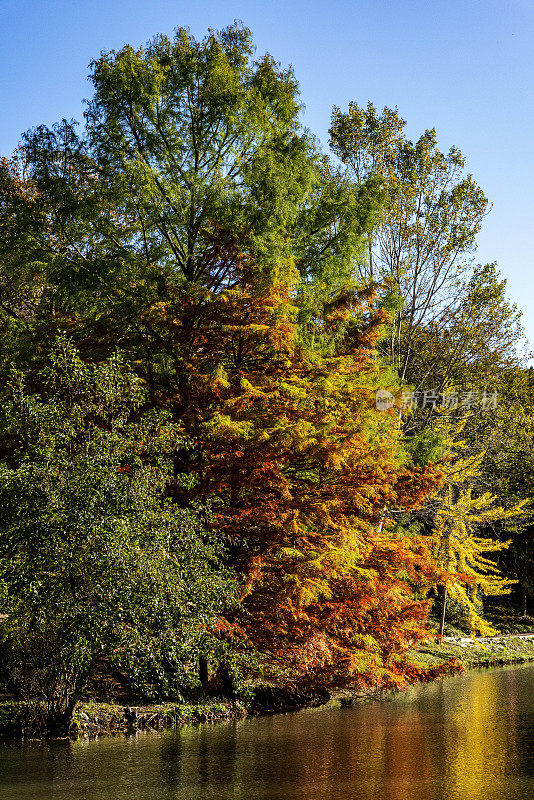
column 287, row 437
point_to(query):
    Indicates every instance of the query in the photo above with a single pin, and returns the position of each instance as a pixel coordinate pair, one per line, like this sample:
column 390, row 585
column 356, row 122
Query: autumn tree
column 194, row 225
column 461, row 518
column 290, row 442
column 508, row 470
column 456, row 339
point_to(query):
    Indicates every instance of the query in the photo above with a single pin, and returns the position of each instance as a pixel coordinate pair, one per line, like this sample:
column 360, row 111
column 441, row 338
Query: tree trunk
column 203, row 672
column 443, row 611
column 226, row 681
column 59, row 721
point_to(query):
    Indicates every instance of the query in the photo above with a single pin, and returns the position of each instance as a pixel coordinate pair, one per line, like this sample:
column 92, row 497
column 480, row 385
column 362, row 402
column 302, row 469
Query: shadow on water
column 468, row 738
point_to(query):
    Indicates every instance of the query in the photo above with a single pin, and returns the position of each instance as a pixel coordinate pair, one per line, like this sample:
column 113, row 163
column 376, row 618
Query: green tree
column 422, row 243
column 95, row 563
column 191, row 151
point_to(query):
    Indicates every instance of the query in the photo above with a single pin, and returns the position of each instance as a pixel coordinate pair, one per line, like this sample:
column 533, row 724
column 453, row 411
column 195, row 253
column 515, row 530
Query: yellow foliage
column 220, row 378
column 459, row 517
column 223, row 426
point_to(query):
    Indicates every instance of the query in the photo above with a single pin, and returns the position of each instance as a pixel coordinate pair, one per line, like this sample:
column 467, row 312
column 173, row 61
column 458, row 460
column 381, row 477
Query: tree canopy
column 95, row 562
column 204, row 312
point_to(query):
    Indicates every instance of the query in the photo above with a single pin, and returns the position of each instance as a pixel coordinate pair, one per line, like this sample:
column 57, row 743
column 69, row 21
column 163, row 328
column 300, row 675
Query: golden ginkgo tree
column 462, row 516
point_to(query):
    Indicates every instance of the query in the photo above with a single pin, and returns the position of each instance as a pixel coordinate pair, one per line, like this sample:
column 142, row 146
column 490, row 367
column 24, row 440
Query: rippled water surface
column 468, row 737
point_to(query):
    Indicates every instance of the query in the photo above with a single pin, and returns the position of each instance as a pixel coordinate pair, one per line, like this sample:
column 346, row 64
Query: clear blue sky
column 464, row 67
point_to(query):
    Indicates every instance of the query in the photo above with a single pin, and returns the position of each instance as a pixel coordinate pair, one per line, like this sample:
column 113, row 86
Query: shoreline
column 19, row 719
column 487, row 651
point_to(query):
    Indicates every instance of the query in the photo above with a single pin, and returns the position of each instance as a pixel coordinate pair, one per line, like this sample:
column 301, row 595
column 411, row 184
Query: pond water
column 470, row 737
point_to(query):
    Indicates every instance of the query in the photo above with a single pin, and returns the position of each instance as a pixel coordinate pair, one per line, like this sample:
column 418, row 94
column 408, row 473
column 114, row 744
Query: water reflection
column 469, row 737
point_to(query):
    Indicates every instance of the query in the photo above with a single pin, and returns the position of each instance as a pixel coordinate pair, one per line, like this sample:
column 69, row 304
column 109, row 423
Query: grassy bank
column 480, row 652
column 91, row 718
